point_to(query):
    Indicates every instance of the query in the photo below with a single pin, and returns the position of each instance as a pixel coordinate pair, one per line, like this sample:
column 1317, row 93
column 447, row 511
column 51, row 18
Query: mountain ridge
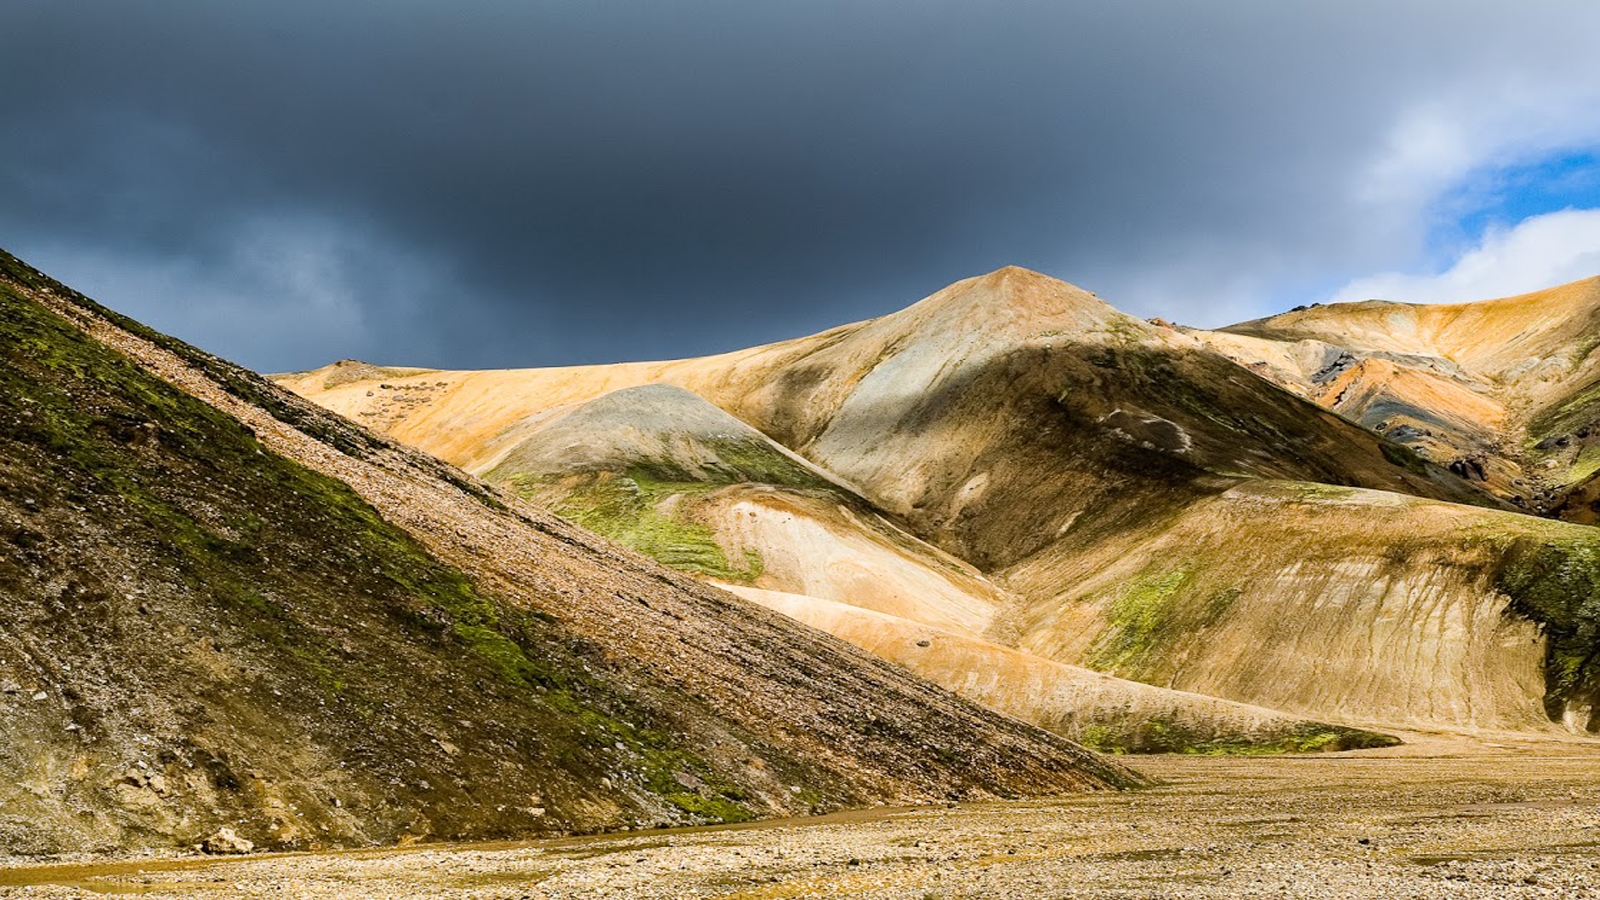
column 1505, row 391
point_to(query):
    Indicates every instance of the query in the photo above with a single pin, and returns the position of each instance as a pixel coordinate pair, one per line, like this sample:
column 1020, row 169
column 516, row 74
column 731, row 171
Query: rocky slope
column 228, row 608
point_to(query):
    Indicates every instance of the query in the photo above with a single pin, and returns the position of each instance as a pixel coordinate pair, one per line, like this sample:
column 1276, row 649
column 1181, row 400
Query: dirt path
column 1436, row 818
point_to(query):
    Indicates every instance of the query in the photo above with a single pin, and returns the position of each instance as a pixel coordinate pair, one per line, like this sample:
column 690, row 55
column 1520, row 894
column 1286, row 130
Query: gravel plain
column 1438, row 817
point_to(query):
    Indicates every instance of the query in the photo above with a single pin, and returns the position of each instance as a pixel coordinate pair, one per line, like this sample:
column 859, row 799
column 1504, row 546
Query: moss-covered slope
column 649, row 466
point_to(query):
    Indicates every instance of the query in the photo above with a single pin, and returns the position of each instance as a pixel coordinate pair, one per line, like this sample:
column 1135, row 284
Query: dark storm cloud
column 522, row 183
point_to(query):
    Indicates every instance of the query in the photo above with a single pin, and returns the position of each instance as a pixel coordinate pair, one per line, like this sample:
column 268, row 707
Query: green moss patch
column 627, row 509
column 1140, row 618
column 1163, row 736
column 1404, row 457
column 1152, row 615
column 1555, row 581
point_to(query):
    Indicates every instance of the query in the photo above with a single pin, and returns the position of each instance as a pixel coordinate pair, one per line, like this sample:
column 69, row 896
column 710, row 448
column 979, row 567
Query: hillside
column 1506, row 392
column 1141, row 503
column 1101, row 711
column 667, row 473
column 228, row 608
column 1319, row 600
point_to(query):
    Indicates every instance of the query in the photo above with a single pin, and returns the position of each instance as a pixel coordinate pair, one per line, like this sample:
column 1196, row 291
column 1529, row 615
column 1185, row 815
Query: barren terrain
column 1439, row 817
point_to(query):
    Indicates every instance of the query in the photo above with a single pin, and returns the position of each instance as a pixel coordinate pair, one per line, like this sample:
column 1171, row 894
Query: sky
column 518, row 182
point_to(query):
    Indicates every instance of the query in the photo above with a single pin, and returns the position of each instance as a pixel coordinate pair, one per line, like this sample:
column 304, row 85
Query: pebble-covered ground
column 1437, row 818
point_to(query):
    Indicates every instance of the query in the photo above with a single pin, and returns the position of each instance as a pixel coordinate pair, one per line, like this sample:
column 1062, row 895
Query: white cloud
column 1538, row 252
column 1482, row 122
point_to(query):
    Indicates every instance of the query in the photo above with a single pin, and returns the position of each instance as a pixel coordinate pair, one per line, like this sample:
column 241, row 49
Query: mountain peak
column 1026, row 281
column 1016, row 300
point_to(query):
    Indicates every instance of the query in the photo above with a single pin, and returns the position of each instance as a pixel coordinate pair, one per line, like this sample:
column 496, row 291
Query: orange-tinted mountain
column 1132, row 500
column 1505, row 392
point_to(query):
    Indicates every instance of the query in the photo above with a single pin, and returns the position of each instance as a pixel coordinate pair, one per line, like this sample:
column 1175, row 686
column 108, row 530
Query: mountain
column 230, row 609
column 1505, row 392
column 987, row 416
column 1140, row 502
column 667, row 473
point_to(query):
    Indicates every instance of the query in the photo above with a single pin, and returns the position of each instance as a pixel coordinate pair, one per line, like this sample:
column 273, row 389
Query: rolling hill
column 667, row 473
column 974, row 415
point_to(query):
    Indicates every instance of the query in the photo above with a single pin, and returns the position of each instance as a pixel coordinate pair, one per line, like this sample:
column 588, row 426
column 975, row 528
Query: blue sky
column 1499, row 229
column 1502, row 196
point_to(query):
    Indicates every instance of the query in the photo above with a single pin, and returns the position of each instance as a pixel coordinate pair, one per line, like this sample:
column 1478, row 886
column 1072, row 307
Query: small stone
column 40, row 695
column 226, row 841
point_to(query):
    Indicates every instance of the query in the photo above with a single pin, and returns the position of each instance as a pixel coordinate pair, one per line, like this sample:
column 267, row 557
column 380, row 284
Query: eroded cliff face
column 1310, row 598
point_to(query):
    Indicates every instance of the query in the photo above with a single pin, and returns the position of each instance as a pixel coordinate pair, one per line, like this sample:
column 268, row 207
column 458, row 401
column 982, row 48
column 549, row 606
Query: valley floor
column 1439, row 817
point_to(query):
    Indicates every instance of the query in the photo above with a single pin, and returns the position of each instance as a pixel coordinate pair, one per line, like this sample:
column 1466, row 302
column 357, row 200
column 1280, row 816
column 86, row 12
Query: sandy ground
column 1436, row 818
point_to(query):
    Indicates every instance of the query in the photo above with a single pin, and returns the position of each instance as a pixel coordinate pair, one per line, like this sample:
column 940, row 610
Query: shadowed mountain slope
column 227, row 607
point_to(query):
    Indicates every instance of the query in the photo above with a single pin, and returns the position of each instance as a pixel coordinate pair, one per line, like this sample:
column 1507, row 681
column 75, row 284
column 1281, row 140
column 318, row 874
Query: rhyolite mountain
column 1505, row 392
column 1013, row 461
column 229, row 608
column 664, row 471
